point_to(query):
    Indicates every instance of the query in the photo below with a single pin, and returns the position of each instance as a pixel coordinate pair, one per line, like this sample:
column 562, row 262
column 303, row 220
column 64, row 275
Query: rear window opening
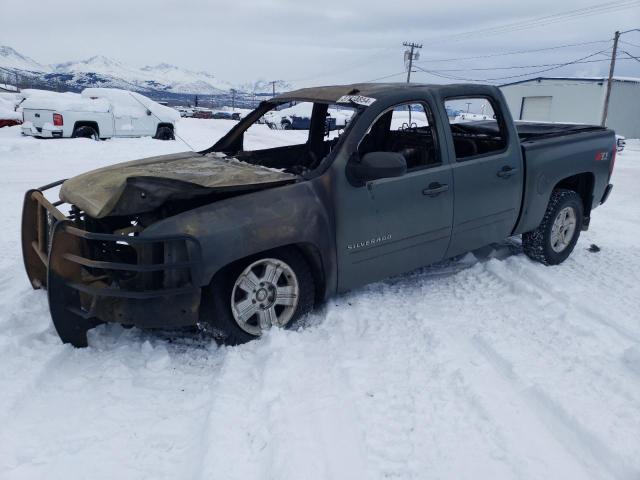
column 476, row 127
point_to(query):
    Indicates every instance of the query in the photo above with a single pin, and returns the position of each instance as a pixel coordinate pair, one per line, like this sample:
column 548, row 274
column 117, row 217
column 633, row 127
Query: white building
column 577, row 100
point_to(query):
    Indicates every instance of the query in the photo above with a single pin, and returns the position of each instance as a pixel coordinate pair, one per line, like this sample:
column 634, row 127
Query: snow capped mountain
column 184, row 80
column 12, row 60
column 97, row 64
column 101, row 71
column 265, row 86
column 163, row 77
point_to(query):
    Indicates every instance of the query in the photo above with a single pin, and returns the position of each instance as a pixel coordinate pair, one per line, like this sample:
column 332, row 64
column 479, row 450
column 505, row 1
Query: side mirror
column 376, row 165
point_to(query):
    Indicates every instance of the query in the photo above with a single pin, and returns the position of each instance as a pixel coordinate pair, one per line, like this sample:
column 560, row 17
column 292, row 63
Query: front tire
column 556, row 236
column 272, row 289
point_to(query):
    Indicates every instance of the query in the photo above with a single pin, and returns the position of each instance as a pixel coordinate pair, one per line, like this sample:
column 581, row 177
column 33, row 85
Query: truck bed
column 531, row 131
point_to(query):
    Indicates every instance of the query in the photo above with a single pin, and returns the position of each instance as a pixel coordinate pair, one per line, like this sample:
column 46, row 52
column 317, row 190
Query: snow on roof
column 45, row 100
column 98, row 100
column 126, row 102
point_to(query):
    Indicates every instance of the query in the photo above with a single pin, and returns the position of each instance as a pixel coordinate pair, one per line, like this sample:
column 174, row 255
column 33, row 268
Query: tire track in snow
column 263, row 425
column 22, row 398
column 542, row 283
column 587, row 449
column 557, row 325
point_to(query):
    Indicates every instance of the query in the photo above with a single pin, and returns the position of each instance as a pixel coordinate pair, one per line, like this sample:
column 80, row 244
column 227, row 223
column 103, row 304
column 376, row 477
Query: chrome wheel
column 563, row 229
column 264, row 294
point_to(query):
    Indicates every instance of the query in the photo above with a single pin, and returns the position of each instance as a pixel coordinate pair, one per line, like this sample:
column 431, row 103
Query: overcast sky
column 326, row 41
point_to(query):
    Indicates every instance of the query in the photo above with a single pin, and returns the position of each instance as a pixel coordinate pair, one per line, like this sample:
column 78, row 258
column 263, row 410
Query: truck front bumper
column 46, row 131
column 150, row 284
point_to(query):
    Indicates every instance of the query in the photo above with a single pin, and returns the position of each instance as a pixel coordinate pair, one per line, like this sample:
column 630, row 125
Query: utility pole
column 612, row 66
column 273, row 87
column 410, row 56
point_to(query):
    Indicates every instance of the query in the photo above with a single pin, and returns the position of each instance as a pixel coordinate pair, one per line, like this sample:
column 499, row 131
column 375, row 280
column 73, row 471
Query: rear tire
column 556, row 236
column 220, row 316
column 165, row 133
column 85, row 132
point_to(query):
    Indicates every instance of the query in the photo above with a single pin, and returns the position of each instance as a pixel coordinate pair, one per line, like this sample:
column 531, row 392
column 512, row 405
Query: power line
column 437, row 74
column 541, row 21
column 629, row 43
column 515, row 52
column 516, row 67
column 632, row 56
column 514, row 26
column 386, row 76
column 325, row 73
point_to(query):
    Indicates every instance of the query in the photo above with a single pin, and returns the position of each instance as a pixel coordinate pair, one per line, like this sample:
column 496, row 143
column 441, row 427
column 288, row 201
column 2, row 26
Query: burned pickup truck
column 246, row 235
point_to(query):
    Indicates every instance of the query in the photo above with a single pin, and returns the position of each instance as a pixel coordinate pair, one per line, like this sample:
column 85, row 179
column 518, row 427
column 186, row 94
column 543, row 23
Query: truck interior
column 472, row 138
column 406, row 129
column 302, row 150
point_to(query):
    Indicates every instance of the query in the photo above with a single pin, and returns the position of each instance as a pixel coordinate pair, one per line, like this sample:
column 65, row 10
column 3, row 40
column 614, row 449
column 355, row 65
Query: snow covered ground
column 488, row 367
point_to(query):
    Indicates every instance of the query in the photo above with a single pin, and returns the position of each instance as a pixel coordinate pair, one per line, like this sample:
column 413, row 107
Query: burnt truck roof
column 380, row 91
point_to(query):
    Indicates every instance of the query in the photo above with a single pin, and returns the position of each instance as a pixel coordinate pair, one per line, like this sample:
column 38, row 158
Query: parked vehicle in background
column 221, row 115
column 8, row 114
column 239, row 237
column 97, row 113
column 295, row 122
column 202, row 113
column 297, row 116
column 621, row 142
column 185, row 112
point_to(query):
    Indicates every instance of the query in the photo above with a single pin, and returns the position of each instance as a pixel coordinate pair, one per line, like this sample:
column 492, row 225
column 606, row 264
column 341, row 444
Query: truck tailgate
column 38, row 117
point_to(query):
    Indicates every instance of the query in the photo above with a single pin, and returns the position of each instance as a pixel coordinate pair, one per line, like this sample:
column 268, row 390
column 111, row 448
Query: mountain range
column 158, row 81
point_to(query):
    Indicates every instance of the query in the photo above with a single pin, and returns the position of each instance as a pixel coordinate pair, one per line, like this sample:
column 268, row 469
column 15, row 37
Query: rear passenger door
column 487, row 174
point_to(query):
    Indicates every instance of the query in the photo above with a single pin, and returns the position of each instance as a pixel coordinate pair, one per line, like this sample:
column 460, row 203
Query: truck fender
column 239, row 227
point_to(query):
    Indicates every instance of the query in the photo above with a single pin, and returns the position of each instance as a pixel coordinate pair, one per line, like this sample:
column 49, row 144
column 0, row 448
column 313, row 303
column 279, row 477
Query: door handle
column 506, row 171
column 435, row 189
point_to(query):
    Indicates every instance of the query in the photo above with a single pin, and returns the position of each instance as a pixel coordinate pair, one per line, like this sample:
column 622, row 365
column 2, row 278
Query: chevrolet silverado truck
column 98, row 113
column 236, row 240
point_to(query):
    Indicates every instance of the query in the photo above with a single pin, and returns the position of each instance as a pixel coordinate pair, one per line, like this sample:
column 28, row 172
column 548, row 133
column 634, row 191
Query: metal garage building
column 577, row 100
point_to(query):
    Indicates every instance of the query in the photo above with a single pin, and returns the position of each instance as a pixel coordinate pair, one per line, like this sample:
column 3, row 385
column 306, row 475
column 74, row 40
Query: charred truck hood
column 144, row 185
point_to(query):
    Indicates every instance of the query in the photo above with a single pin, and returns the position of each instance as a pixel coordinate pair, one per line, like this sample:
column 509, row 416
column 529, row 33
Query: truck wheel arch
column 165, row 124
column 160, row 129
column 310, row 252
column 86, row 123
column 583, row 184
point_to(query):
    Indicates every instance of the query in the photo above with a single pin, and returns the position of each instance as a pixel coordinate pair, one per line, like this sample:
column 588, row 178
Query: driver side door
column 397, row 224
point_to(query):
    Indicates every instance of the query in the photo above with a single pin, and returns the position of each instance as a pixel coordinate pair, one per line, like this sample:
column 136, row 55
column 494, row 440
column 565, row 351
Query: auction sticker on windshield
column 358, row 99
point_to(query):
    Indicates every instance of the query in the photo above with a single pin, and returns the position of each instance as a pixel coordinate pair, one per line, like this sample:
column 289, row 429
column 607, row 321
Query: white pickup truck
column 97, row 113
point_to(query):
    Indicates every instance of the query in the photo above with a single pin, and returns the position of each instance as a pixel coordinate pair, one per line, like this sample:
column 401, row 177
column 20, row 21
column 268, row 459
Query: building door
column 537, row 109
